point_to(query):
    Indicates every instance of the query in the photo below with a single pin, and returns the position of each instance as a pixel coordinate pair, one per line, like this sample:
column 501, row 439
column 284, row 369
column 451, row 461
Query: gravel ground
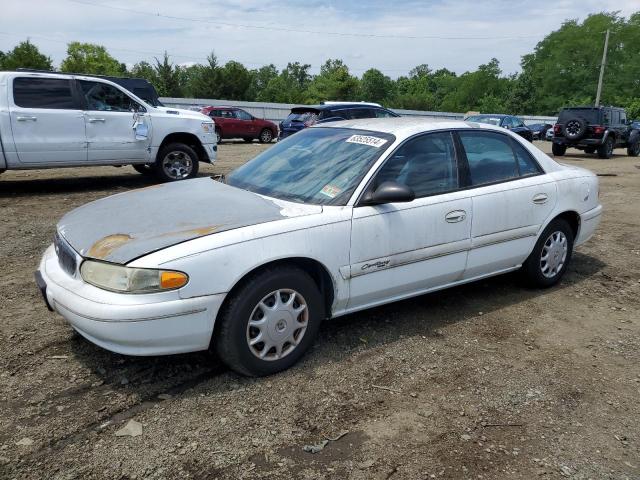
column 489, row 380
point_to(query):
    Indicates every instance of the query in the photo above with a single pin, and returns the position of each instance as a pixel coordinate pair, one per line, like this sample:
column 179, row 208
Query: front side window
column 321, row 166
column 427, row 164
column 33, row 92
column 215, row 113
column 105, row 98
column 242, row 115
column 490, row 156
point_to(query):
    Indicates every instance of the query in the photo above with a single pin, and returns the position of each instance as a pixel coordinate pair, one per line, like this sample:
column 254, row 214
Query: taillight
column 556, row 128
column 598, row 130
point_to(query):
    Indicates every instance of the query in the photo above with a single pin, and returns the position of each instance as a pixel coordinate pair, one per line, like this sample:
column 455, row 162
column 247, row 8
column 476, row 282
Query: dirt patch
column 489, row 380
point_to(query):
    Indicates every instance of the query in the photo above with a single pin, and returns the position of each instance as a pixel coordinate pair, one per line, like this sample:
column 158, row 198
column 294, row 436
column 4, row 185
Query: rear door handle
column 94, row 120
column 540, row 198
column 26, row 119
column 455, row 216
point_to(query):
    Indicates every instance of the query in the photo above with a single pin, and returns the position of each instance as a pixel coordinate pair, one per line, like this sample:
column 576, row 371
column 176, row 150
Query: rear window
column 308, row 118
column 55, row 93
column 591, row 115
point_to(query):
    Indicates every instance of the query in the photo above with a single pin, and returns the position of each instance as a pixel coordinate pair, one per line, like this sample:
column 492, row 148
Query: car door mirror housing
column 389, row 192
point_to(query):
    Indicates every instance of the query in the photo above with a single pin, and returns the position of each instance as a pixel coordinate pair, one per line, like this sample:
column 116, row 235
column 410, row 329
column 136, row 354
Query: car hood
column 181, row 112
column 129, row 225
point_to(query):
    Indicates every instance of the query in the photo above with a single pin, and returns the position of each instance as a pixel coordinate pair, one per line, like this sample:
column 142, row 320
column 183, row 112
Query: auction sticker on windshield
column 330, row 191
column 367, row 140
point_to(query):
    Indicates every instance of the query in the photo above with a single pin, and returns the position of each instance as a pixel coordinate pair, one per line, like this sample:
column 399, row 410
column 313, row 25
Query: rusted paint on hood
column 126, row 226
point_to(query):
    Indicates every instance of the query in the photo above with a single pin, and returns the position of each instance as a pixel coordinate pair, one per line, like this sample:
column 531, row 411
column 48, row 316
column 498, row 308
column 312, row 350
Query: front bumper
column 146, row 324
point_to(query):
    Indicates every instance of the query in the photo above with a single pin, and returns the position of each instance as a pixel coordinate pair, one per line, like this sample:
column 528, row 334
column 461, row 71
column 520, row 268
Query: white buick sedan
column 334, row 219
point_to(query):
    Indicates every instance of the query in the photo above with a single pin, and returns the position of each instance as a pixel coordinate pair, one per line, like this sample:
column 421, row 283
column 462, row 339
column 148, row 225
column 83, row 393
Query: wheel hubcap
column 177, row 165
column 572, row 128
column 266, row 136
column 554, row 254
column 277, row 324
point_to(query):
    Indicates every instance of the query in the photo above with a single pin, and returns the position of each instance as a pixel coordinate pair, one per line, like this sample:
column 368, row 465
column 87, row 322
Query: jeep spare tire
column 575, row 128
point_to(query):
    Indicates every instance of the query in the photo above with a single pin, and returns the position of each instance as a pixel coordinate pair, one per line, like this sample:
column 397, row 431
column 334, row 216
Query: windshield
column 483, row 119
column 321, row 166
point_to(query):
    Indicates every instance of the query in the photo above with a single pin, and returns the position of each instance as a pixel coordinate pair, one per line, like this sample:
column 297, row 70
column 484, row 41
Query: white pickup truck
column 50, row 120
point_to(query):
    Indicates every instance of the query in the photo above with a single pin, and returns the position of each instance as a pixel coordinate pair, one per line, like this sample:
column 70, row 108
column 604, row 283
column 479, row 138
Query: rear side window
column 526, row 164
column 490, row 156
column 55, row 93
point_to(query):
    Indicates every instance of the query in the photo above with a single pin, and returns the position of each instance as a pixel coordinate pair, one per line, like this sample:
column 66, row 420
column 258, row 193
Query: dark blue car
column 305, row 116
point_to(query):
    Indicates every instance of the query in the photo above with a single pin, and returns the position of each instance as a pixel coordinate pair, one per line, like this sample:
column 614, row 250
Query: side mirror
column 389, row 192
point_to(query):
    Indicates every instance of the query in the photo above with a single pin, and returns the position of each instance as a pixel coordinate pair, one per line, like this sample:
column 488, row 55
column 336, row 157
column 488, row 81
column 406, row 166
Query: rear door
column 512, row 197
column 112, row 118
column 47, row 121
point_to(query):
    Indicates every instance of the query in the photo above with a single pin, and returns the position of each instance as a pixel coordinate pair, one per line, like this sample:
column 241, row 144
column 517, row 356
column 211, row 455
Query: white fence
column 276, row 112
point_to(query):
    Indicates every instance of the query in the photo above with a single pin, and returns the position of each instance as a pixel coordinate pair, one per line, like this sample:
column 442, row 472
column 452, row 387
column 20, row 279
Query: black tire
column 558, row 150
column 590, row 150
column 574, row 129
column 633, row 150
column 248, row 139
column 218, row 135
column 230, row 339
column 144, row 168
column 606, row 149
column 532, row 268
column 266, row 136
column 181, row 154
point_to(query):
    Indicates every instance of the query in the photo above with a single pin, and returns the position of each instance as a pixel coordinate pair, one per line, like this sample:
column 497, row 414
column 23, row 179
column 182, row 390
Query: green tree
column 168, row 78
column 25, row 55
column 260, row 78
column 235, row 81
column 288, row 87
column 204, row 81
column 333, row 83
column 92, row 59
column 144, row 70
column 375, row 86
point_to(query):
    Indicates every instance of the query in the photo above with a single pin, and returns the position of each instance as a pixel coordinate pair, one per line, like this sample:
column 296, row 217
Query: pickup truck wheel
column 269, row 322
column 550, row 256
column 144, row 169
column 176, row 161
column 266, row 136
column 606, row 149
column 633, row 150
column 558, row 150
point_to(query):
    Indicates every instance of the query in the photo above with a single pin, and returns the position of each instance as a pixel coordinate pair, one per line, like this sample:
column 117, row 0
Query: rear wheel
column 269, row 322
column 176, row 161
column 633, row 150
column 606, row 149
column 266, row 136
column 558, row 150
column 550, row 256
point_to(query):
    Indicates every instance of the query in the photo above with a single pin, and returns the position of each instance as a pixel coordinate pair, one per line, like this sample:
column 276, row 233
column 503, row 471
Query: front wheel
column 176, row 161
column 606, row 149
column 633, row 150
column 266, row 136
column 548, row 261
column 269, row 322
column 558, row 150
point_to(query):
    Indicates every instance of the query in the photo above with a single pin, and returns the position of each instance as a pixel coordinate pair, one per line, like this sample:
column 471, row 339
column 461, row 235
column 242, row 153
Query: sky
column 391, row 35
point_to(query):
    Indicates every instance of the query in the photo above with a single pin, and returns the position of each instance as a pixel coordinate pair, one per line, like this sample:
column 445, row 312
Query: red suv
column 232, row 122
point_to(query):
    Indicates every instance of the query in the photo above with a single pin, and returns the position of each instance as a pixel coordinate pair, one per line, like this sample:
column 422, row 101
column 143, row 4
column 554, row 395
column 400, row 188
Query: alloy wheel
column 177, row 165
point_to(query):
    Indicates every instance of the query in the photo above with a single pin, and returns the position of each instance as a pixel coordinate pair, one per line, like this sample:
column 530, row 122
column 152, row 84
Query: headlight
column 208, row 127
column 118, row 278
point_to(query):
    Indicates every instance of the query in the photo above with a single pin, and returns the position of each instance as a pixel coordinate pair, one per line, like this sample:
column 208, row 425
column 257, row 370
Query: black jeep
column 594, row 129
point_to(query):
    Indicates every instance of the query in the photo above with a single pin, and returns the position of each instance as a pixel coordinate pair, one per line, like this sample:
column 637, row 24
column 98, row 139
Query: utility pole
column 604, row 61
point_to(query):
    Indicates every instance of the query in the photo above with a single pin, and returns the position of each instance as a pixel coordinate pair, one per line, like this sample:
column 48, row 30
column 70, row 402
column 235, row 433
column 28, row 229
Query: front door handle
column 540, row 198
column 94, row 120
column 26, row 119
column 455, row 216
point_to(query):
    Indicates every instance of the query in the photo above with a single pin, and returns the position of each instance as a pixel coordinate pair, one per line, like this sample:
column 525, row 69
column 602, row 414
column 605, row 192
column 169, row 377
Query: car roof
column 489, row 115
column 333, row 106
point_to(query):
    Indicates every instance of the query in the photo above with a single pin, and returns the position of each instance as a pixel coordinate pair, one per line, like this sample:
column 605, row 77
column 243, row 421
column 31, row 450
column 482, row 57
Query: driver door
column 118, row 128
column 402, row 249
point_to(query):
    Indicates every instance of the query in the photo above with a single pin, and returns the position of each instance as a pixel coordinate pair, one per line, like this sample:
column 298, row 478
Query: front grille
column 66, row 255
